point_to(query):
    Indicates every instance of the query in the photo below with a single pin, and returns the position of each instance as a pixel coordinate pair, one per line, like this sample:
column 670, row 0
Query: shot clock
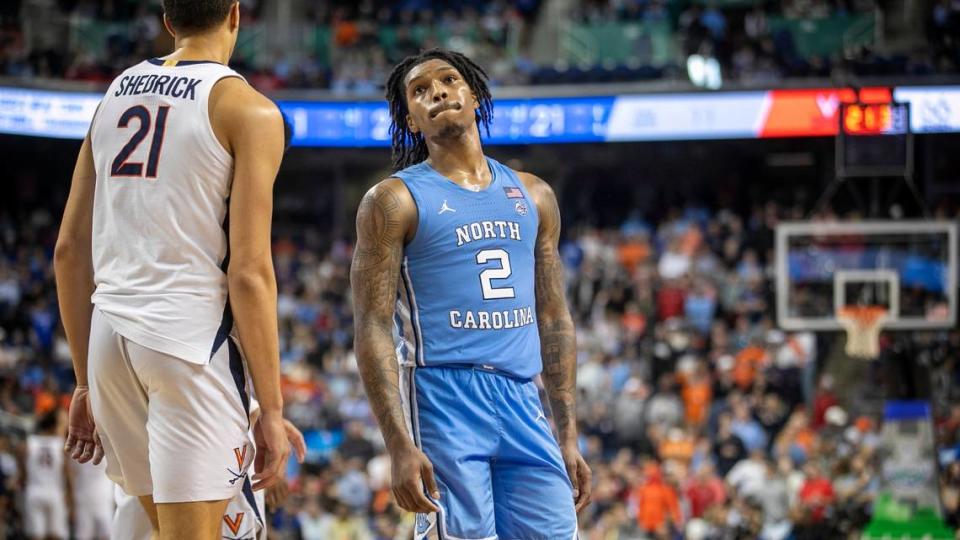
column 874, row 140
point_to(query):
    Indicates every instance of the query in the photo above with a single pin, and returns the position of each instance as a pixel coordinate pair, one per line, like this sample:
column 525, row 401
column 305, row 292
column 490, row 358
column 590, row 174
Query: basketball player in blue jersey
column 459, row 305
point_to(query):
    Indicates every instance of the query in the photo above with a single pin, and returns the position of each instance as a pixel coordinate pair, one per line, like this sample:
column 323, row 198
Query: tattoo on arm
column 378, row 225
column 558, row 343
column 373, row 276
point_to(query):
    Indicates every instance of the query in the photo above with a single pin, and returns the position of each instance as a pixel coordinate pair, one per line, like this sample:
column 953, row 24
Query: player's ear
column 412, row 125
column 476, row 102
column 168, row 26
column 234, row 19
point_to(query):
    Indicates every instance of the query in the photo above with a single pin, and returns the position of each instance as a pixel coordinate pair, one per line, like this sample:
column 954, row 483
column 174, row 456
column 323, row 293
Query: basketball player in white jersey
column 45, row 508
column 92, row 500
column 177, row 144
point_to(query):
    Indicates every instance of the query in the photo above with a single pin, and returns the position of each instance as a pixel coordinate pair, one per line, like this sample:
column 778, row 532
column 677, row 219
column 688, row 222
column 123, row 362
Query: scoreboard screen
column 874, row 140
column 875, row 119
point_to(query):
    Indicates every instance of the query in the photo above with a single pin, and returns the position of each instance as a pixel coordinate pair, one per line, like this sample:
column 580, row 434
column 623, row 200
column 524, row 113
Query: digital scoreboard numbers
column 875, row 119
column 874, row 140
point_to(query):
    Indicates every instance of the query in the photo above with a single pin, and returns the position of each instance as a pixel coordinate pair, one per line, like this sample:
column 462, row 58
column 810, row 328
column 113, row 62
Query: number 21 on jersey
column 122, row 166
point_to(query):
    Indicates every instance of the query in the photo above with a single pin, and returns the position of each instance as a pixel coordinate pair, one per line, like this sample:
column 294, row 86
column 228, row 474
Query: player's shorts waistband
column 479, row 367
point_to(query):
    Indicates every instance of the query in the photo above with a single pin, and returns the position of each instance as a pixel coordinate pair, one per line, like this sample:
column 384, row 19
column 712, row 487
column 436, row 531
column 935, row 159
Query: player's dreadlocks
column 410, row 148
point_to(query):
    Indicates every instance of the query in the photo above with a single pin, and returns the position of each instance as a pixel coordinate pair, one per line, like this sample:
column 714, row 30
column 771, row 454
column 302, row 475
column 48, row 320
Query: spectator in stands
column 714, row 21
column 747, row 429
column 356, row 444
column 774, row 499
column 704, row 490
column 658, row 507
column 628, row 417
column 748, row 476
column 728, row 448
column 664, row 408
column 816, row 497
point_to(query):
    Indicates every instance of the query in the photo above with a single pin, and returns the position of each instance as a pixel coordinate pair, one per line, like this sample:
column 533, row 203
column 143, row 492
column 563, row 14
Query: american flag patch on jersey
column 513, row 192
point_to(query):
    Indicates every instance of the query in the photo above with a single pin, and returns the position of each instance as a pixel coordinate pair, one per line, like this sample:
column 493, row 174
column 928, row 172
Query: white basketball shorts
column 45, row 514
column 244, row 518
column 91, row 519
column 171, row 429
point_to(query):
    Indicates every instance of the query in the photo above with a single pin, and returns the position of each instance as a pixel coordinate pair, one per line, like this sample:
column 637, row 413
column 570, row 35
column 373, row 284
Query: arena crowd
column 350, row 46
column 698, row 416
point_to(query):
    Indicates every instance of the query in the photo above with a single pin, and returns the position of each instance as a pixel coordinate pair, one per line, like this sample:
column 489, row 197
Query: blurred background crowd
column 349, row 47
column 698, row 416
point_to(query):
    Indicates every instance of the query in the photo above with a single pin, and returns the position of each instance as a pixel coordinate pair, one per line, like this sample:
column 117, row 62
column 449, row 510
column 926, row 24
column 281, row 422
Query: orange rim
column 865, row 315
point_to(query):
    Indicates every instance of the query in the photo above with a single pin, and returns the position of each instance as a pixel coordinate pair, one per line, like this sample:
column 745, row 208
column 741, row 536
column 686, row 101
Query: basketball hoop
column 862, row 324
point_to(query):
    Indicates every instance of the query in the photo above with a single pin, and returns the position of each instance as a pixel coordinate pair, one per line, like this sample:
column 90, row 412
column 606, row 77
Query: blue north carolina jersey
column 466, row 292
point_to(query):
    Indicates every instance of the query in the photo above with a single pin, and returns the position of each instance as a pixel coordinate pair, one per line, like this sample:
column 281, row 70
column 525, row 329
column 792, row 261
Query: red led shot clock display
column 875, row 119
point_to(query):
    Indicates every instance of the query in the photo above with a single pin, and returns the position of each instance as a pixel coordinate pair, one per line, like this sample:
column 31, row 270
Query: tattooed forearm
column 558, row 343
column 558, row 350
column 373, row 278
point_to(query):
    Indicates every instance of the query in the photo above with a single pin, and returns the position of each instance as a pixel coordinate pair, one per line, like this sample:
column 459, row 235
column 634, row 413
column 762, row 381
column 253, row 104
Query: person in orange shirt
column 678, row 446
column 658, row 507
column 45, row 398
column 633, row 251
column 697, row 395
column 747, row 362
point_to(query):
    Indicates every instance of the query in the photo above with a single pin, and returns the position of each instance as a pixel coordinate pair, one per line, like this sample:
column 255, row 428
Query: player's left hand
column 277, row 493
column 273, row 447
column 580, row 475
column 83, row 442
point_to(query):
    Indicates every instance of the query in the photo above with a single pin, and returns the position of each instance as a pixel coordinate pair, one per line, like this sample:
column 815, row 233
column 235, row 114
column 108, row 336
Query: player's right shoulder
column 389, row 200
column 392, row 189
column 236, row 92
column 235, row 107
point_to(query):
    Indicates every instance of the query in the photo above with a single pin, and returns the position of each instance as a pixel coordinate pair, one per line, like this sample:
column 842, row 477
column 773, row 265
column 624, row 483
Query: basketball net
column 862, row 324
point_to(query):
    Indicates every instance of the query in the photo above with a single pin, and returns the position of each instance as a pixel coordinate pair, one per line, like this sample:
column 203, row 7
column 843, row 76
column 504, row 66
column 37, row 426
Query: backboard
column 906, row 267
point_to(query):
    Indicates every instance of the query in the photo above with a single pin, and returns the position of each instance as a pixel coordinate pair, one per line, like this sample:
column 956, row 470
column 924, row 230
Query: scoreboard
column 874, row 139
column 673, row 116
column 875, row 119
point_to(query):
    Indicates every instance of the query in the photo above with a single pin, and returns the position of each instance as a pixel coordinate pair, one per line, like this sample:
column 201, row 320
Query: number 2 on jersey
column 122, row 167
column 489, row 291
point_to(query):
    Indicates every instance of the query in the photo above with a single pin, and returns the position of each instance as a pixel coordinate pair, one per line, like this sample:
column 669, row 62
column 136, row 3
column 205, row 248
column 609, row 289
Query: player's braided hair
column 410, row 148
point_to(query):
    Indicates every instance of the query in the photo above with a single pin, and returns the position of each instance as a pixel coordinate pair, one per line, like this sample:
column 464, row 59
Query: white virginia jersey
column 160, row 208
column 44, row 465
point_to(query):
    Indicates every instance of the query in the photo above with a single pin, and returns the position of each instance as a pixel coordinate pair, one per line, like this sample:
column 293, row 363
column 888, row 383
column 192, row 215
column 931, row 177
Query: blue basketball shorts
column 496, row 462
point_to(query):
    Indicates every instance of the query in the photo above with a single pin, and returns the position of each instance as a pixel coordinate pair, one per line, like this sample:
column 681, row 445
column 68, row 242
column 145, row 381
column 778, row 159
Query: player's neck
column 460, row 159
column 201, row 47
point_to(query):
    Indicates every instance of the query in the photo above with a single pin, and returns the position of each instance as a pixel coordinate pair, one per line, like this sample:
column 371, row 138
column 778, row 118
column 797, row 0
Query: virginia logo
column 828, row 104
column 234, row 523
column 241, row 457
